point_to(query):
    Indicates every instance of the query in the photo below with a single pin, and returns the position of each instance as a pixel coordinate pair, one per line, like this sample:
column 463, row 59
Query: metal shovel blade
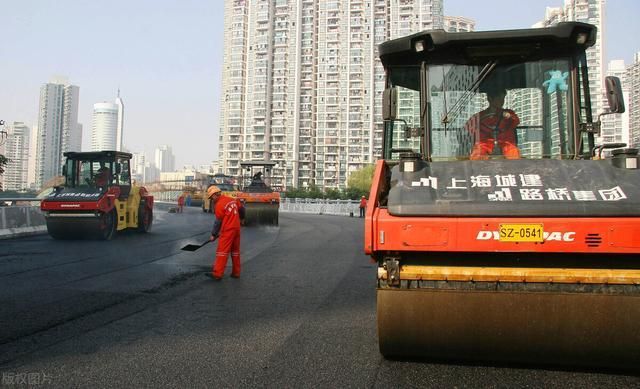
column 193, row 247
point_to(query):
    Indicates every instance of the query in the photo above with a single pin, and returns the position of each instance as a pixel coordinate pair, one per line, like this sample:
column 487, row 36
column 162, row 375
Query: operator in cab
column 494, row 129
column 103, row 176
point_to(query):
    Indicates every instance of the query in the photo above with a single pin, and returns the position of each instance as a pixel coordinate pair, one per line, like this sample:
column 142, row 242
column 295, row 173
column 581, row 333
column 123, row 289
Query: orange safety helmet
column 213, row 190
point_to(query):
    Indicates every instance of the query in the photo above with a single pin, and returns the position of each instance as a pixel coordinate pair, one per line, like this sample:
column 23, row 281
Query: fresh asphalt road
column 138, row 312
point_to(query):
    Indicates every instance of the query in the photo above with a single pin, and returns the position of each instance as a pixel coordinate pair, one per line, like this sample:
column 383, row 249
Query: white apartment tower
column 633, row 82
column 302, row 84
column 164, row 159
column 459, row 24
column 58, row 128
column 33, row 152
column 615, row 127
column 592, row 12
column 16, row 149
column 104, row 126
column 138, row 163
column 107, row 125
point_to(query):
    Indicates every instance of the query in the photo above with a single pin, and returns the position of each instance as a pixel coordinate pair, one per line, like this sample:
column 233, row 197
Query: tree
column 359, row 182
column 296, row 193
column 332, row 194
column 3, row 162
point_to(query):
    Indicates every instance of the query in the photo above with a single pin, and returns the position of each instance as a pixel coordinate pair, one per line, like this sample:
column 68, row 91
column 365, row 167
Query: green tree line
column 358, row 185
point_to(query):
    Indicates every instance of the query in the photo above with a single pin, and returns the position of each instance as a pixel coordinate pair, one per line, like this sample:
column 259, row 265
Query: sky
column 165, row 56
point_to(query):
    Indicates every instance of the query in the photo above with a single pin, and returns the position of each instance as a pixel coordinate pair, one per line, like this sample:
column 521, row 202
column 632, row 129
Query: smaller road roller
column 97, row 198
column 261, row 202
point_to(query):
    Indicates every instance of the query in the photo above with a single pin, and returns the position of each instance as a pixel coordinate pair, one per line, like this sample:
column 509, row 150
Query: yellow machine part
column 127, row 210
column 206, row 205
column 577, row 317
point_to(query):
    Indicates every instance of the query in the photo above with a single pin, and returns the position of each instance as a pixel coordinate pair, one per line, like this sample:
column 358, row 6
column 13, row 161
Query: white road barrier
column 21, row 220
column 320, row 206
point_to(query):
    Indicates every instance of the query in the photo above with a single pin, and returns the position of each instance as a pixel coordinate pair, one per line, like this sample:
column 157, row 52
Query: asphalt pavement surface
column 139, row 312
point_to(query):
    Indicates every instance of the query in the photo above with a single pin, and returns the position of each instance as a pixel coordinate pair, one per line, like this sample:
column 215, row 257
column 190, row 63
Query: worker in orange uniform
column 228, row 212
column 363, row 205
column 494, row 129
column 180, row 203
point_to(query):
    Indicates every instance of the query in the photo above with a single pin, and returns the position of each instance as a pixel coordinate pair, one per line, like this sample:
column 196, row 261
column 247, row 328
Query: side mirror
column 614, row 94
column 390, row 104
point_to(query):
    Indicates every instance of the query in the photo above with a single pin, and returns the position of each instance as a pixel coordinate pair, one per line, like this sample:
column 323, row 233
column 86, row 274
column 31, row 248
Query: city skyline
column 168, row 66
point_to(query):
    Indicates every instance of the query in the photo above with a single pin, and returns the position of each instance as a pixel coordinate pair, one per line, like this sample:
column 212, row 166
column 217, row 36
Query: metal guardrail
column 21, row 220
column 17, row 220
column 320, row 206
column 17, row 199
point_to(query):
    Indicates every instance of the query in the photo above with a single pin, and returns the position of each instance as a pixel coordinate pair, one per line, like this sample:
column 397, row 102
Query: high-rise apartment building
column 615, row 127
column 16, row 149
column 164, row 159
column 633, row 84
column 592, row 12
column 104, row 126
column 33, row 152
column 140, row 168
column 58, row 128
column 302, row 84
column 459, row 24
column 107, row 125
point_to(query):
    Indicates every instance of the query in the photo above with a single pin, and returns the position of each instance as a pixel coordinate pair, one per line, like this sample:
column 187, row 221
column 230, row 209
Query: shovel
column 194, row 247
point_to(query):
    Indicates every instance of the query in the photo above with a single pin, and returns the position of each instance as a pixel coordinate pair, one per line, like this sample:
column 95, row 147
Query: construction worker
column 228, row 212
column 494, row 129
column 363, row 205
column 180, row 202
column 103, row 175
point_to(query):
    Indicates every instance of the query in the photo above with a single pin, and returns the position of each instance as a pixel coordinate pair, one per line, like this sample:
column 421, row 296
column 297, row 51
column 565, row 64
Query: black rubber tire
column 145, row 218
column 108, row 225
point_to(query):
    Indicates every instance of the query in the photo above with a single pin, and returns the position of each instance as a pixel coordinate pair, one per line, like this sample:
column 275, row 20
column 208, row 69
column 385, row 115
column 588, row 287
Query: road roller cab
column 498, row 235
column 97, row 199
column 261, row 202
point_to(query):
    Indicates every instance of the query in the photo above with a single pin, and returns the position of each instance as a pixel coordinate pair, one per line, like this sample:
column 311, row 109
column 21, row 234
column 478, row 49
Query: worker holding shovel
column 228, row 212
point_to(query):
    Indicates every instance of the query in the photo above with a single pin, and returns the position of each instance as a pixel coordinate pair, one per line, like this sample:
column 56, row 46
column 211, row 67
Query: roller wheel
column 107, row 226
column 56, row 232
column 145, row 218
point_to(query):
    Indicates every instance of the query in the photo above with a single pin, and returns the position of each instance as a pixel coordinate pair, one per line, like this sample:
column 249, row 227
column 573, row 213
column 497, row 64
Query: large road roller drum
column 594, row 327
column 81, row 225
column 261, row 213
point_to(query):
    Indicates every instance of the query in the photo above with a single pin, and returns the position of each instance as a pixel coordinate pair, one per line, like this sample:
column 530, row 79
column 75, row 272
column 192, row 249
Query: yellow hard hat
column 212, row 190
